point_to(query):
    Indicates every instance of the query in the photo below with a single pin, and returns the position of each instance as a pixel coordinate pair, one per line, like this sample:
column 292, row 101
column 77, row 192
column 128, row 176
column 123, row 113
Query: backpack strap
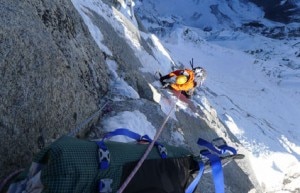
column 126, row 132
column 218, row 146
column 103, row 152
column 195, row 182
column 217, row 171
column 210, row 146
column 215, row 149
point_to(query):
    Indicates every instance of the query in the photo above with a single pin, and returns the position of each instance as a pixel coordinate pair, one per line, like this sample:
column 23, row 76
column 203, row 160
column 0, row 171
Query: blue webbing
column 214, row 158
column 195, row 182
column 215, row 161
column 104, row 164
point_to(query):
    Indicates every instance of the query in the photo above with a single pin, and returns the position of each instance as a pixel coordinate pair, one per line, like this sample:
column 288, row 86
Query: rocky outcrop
column 280, row 11
column 275, row 32
column 52, row 76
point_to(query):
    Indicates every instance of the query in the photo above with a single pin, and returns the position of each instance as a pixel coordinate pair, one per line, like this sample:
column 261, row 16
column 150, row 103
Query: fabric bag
column 75, row 165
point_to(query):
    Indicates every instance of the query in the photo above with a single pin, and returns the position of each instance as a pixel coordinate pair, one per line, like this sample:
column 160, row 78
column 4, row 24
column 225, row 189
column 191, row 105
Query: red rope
column 8, row 178
column 138, row 165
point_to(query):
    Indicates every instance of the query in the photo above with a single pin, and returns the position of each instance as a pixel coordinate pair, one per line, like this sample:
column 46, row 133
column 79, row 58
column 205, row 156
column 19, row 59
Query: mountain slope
column 133, row 105
column 246, row 98
column 284, row 11
column 253, row 80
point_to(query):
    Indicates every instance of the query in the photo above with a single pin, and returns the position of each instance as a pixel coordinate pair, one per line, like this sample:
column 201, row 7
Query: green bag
column 82, row 166
column 72, row 165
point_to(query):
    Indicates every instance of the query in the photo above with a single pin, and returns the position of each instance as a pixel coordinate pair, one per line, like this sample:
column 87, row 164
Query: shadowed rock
column 52, row 76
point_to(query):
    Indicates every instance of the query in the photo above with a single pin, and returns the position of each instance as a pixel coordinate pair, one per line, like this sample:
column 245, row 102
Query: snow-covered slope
column 252, row 85
column 258, row 110
column 162, row 16
column 209, row 15
column 253, row 80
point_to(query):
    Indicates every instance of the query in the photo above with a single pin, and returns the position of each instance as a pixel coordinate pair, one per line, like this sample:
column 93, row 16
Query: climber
column 185, row 80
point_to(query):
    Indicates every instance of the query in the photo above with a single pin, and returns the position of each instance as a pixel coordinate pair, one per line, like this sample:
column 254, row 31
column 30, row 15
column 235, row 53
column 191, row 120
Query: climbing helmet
column 181, row 79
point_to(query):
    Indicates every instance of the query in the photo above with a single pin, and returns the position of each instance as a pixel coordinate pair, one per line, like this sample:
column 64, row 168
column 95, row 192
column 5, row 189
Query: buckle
column 219, row 142
column 162, row 151
column 104, row 158
column 145, row 138
column 204, row 152
column 166, row 85
column 203, row 155
column 105, row 185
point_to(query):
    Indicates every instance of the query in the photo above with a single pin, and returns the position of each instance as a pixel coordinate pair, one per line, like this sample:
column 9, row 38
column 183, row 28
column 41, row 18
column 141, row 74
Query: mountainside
column 136, row 100
column 284, row 11
column 89, row 35
column 62, row 62
column 212, row 16
column 253, row 74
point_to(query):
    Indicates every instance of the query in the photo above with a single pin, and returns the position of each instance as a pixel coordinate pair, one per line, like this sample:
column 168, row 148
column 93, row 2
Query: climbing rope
column 81, row 125
column 138, row 165
column 7, row 179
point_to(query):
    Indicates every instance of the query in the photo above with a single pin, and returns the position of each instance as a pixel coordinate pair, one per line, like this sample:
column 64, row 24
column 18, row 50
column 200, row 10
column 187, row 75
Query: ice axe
column 192, row 63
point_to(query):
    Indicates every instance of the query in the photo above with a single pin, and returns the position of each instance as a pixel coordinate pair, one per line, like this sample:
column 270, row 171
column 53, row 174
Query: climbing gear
column 147, row 151
column 165, row 84
column 199, row 71
column 199, row 75
column 192, row 63
column 184, row 80
column 85, row 122
column 189, row 84
column 8, row 178
column 214, row 150
column 74, row 165
column 181, row 79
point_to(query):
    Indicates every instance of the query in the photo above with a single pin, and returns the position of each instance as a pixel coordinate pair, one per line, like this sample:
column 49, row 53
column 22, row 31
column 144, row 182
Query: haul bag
column 72, row 165
column 75, row 165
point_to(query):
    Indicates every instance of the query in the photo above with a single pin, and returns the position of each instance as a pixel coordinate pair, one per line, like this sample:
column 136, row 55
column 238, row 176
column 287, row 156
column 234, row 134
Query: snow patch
column 95, row 31
column 134, row 121
column 120, row 90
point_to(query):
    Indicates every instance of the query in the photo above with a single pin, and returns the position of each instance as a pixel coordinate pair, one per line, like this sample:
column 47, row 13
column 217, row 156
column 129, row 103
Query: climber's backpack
column 77, row 166
column 199, row 75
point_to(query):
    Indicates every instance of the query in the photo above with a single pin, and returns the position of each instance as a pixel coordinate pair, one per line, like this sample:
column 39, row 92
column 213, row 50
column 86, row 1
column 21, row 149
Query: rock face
column 281, row 11
column 52, row 76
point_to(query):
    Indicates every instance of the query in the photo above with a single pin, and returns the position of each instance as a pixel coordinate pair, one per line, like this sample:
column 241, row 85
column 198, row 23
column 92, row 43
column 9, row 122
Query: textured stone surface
column 52, row 76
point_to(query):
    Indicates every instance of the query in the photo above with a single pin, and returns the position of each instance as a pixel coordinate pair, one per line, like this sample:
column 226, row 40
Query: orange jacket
column 186, row 86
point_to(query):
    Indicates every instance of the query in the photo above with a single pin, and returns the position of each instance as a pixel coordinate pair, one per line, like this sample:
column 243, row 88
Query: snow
column 95, row 32
column 256, row 95
column 198, row 13
column 261, row 114
column 134, row 121
column 120, row 89
column 166, row 104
